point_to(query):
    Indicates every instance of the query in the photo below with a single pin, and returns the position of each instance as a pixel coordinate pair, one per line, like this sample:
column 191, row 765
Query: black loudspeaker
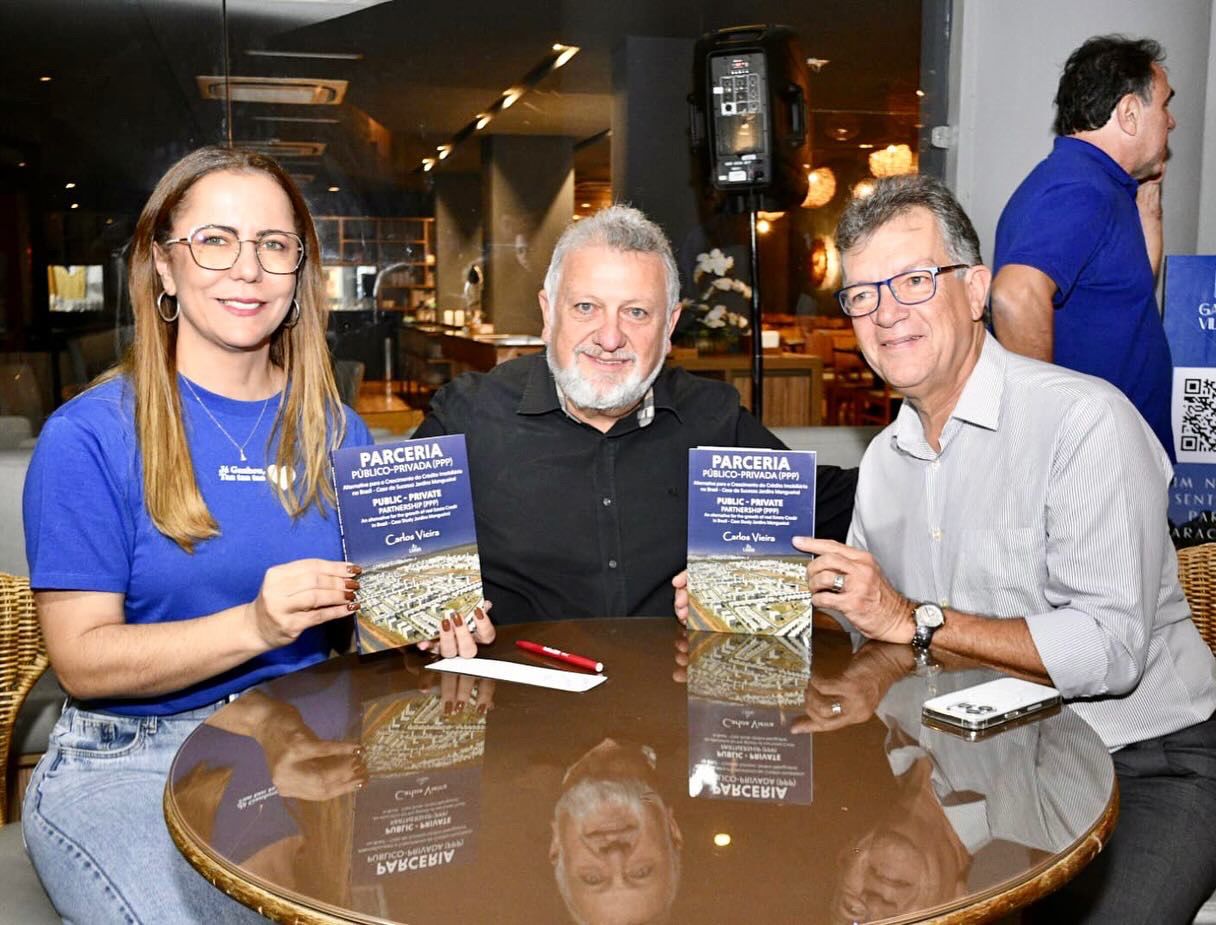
column 749, row 116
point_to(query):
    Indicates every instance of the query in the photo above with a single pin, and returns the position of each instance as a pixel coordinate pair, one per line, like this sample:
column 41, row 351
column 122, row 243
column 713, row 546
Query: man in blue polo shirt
column 1079, row 243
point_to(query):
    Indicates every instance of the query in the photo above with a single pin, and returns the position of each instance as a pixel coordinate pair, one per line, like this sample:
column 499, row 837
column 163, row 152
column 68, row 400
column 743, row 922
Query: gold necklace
column 240, row 447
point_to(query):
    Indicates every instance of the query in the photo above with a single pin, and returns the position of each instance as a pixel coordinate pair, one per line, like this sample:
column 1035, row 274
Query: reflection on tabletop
column 378, row 789
column 959, row 806
column 616, row 846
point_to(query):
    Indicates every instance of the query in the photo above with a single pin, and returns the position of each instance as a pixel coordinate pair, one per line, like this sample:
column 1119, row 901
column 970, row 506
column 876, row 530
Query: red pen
column 579, row 661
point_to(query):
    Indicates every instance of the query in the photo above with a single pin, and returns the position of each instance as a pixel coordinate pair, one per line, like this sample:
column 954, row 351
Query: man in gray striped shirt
column 1015, row 512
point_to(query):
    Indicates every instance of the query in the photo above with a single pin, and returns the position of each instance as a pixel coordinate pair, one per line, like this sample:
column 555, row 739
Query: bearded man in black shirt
column 579, row 457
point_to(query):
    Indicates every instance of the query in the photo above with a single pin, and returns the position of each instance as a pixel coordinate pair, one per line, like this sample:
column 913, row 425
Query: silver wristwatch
column 929, row 618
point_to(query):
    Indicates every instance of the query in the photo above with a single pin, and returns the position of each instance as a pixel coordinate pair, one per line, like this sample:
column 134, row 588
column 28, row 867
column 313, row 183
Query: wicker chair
column 1197, row 573
column 22, row 661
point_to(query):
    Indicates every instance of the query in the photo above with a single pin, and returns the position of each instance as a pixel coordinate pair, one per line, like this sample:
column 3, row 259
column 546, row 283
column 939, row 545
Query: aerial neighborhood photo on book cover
column 406, row 514
column 745, row 506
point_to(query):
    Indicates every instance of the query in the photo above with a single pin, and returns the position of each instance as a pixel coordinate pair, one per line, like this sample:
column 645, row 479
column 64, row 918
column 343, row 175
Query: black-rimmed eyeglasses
column 910, row 287
column 216, row 247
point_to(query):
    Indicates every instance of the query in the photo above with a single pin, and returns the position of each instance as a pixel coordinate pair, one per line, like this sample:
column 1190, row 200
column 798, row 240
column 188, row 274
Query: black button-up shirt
column 572, row 522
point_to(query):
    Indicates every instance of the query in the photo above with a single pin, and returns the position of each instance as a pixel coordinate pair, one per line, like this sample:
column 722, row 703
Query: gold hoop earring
column 160, row 308
column 293, row 316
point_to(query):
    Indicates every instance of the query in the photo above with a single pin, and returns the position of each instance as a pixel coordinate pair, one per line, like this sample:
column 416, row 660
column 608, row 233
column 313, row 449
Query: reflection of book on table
column 419, row 810
column 745, row 506
column 406, row 514
column 743, row 691
column 759, row 670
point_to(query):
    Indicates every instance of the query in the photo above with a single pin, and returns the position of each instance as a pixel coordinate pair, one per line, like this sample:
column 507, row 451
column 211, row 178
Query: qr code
column 1196, row 410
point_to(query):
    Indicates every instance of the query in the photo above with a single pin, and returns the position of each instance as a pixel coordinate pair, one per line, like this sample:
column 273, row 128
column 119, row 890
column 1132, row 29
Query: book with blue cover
column 406, row 515
column 745, row 506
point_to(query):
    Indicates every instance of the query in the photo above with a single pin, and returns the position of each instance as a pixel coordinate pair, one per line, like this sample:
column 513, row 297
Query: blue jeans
column 95, row 829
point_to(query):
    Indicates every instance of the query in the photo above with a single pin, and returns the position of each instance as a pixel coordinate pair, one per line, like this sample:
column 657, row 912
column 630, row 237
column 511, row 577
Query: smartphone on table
column 991, row 706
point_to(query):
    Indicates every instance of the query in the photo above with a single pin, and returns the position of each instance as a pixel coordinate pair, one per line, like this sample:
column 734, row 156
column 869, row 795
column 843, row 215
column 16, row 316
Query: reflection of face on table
column 616, row 845
column 896, row 867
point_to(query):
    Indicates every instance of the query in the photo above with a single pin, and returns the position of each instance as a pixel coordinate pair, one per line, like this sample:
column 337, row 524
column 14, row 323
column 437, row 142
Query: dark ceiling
column 123, row 100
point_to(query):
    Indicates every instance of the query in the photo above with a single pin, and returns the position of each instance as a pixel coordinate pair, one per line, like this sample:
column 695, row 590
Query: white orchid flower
column 715, row 262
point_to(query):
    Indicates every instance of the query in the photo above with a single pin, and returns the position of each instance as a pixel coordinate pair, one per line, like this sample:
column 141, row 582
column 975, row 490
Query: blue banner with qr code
column 1190, row 325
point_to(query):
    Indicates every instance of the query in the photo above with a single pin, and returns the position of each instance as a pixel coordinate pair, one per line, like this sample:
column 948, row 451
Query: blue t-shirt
column 1074, row 218
column 87, row 528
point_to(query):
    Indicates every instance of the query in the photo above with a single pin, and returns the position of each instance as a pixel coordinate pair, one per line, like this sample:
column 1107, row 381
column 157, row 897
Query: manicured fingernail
column 351, row 584
column 352, row 569
column 352, row 606
column 479, row 614
column 447, row 625
column 350, row 595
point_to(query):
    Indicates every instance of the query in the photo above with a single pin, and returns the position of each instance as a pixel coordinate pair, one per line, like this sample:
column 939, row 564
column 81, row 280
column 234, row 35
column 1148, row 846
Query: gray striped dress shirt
column 1047, row 501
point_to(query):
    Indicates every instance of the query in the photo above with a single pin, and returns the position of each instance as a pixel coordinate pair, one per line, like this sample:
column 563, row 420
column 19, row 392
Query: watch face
column 929, row 615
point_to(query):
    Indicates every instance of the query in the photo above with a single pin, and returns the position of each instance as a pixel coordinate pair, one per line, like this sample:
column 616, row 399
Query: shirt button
column 943, row 603
column 612, row 563
column 937, row 533
column 607, row 502
column 936, row 464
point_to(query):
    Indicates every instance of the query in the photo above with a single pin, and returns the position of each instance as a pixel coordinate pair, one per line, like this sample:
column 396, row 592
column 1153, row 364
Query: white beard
column 587, row 394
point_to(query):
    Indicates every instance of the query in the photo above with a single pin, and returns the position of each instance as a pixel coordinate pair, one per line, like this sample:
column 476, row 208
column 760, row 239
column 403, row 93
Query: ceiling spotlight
column 483, row 120
column 817, row 64
column 584, row 205
column 567, row 52
column 721, row 839
column 335, row 189
column 920, row 92
column 428, row 163
column 69, row 186
column 45, row 79
column 75, row 205
column 764, row 226
column 509, row 97
column 444, row 151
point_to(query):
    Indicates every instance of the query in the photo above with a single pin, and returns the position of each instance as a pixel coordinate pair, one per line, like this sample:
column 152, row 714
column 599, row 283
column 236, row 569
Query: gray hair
column 632, row 794
column 895, row 196
column 621, row 228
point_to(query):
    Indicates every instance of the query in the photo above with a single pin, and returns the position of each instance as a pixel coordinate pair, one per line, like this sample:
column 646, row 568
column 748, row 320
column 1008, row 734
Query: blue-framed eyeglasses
column 910, row 287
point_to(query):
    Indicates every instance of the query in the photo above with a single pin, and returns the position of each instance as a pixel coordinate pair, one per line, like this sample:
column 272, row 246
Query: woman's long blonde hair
column 309, row 422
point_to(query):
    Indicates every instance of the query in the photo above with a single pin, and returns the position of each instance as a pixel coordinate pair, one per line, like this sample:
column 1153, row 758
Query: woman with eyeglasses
column 181, row 533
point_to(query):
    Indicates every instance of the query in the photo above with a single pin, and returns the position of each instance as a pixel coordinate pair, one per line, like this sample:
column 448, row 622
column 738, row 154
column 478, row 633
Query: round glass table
column 710, row 778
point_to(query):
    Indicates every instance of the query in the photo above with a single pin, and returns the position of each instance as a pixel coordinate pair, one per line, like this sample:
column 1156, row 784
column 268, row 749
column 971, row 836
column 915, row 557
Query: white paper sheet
column 499, row 670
